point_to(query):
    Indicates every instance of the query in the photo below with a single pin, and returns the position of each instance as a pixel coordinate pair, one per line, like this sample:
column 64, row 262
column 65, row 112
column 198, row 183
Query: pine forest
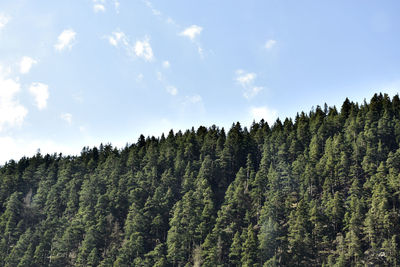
column 319, row 189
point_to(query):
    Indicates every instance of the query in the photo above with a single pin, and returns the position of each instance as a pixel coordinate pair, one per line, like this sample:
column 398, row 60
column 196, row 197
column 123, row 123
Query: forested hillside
column 321, row 189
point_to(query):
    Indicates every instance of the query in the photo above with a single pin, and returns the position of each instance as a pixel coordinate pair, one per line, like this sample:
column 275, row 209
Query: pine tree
column 250, row 248
column 11, row 221
column 235, row 251
column 299, row 236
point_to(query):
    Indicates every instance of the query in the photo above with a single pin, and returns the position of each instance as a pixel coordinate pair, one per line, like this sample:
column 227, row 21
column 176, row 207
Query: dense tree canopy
column 322, row 189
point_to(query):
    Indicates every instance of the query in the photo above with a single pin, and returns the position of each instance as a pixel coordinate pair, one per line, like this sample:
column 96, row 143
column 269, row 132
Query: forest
column 320, row 189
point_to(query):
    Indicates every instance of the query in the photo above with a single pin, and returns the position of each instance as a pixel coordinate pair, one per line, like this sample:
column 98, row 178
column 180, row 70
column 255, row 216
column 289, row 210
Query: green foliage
column 320, row 190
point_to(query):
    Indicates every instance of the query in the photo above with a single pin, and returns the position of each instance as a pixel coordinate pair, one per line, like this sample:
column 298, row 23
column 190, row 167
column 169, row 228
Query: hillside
column 321, row 189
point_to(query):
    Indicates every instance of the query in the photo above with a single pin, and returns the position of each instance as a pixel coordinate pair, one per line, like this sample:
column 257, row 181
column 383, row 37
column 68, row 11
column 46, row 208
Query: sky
column 77, row 73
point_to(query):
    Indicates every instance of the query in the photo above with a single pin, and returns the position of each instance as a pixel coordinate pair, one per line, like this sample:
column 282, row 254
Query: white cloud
column 270, row 44
column 191, row 32
column 244, row 78
column 26, row 64
column 172, row 90
column 12, row 113
column 246, row 81
column 112, row 41
column 40, row 92
column 118, row 38
column 166, row 64
column 99, row 8
column 65, row 40
column 66, row 117
column 4, row 19
column 263, row 112
column 143, row 49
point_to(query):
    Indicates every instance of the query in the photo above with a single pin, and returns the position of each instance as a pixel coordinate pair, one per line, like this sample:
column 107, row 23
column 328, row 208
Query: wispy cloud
column 159, row 14
column 26, row 64
column 12, row 113
column 155, row 11
column 170, row 20
column 252, row 92
column 141, row 48
column 191, row 32
column 246, row 81
column 192, row 105
column 194, row 99
column 66, row 117
column 263, row 112
column 99, row 8
column 4, row 19
column 116, row 6
column 270, row 44
column 160, row 77
column 166, row 64
column 172, row 90
column 139, row 77
column 40, row 92
column 65, row 40
column 78, row 97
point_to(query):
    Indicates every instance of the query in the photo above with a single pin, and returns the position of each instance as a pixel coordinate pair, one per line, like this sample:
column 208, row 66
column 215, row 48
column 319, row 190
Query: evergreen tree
column 250, row 247
column 299, row 236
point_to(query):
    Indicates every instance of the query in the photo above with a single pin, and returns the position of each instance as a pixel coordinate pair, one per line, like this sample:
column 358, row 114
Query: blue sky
column 80, row 72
